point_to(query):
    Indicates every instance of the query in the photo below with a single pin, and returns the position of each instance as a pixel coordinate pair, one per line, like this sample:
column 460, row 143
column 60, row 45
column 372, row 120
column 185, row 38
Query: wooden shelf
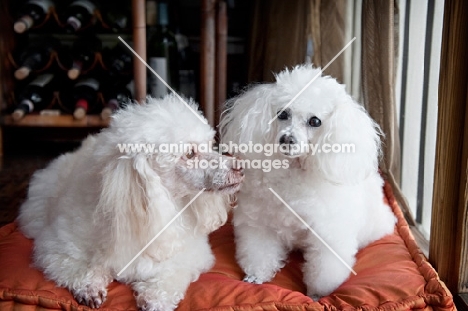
column 54, row 121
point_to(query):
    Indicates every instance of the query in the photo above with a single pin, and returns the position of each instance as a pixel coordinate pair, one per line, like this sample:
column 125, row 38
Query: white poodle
column 91, row 211
column 338, row 194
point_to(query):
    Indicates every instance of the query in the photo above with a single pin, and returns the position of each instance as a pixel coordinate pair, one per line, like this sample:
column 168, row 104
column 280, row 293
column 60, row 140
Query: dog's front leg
column 163, row 285
column 324, row 270
column 154, row 295
column 259, row 252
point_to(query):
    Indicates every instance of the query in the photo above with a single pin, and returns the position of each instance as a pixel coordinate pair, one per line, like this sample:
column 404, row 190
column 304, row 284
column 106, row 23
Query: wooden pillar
column 221, row 60
column 207, row 59
column 139, row 45
column 448, row 251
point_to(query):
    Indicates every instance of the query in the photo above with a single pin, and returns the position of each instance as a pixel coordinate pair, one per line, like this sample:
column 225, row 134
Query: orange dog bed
column 392, row 274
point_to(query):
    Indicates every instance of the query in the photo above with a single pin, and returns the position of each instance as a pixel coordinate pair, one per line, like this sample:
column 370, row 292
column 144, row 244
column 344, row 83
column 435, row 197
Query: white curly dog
column 338, row 194
column 91, row 211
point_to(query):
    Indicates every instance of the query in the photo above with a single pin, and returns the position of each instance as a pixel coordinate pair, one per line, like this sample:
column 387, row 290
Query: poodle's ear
column 132, row 197
column 210, row 211
column 246, row 117
column 349, row 143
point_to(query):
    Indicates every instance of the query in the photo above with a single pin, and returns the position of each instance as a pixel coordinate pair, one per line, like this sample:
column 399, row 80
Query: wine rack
column 211, row 67
column 61, row 121
column 54, row 26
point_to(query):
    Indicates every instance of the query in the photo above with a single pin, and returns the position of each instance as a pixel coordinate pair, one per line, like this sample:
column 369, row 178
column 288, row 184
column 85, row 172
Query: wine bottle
column 84, row 97
column 187, row 85
column 161, row 50
column 119, row 60
column 83, row 53
column 115, row 96
column 117, row 17
column 35, row 96
column 33, row 12
column 36, row 56
column 79, row 14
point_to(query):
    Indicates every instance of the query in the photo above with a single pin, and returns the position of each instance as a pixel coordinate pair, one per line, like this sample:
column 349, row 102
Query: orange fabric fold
column 392, row 274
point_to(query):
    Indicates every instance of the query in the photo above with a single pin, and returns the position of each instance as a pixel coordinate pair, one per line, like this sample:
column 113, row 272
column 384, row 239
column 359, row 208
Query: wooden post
column 221, row 60
column 207, row 59
column 139, row 45
column 448, row 251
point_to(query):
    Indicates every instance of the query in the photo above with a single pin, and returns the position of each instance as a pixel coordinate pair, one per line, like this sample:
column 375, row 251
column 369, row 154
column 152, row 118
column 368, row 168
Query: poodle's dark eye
column 315, row 122
column 283, row 115
column 190, row 154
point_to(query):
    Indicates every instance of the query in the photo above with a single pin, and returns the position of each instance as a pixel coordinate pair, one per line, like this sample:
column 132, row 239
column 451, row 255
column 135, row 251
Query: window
column 420, row 29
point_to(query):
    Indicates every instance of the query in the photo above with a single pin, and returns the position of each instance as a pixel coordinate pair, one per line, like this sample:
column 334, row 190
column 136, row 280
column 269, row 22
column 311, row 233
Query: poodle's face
column 197, row 168
column 181, row 154
column 301, row 120
column 308, row 115
column 296, row 126
column 210, row 170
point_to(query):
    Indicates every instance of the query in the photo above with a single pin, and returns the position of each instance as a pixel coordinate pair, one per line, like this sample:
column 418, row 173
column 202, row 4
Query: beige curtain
column 280, row 31
column 327, row 29
column 278, row 37
column 378, row 83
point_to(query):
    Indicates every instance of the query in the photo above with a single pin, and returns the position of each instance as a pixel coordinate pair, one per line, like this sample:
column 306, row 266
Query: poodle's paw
column 319, row 290
column 149, row 298
column 252, row 279
column 315, row 297
column 155, row 305
column 91, row 296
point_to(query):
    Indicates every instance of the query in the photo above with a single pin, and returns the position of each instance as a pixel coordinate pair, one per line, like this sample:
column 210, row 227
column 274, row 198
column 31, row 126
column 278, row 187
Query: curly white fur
column 338, row 194
column 91, row 211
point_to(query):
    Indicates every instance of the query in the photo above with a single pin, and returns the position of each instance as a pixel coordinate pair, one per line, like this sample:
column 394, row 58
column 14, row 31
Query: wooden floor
column 15, row 172
column 16, row 168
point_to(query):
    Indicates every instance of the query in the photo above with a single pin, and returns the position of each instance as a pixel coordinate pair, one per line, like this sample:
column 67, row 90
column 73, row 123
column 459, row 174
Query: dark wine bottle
column 83, row 53
column 187, row 82
column 35, row 96
column 33, row 12
column 117, row 17
column 84, row 97
column 36, row 56
column 119, row 60
column 161, row 50
column 79, row 14
column 115, row 97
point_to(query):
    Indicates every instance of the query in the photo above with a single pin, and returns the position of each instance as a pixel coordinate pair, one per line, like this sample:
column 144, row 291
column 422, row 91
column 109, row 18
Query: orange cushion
column 392, row 274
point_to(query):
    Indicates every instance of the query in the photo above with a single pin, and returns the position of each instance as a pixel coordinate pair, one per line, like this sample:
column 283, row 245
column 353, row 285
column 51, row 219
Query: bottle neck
column 23, row 24
column 151, row 13
column 36, row 57
column 163, row 15
column 31, row 62
column 26, row 105
column 80, row 14
column 73, row 24
column 42, row 80
column 113, row 104
column 157, row 15
column 82, row 103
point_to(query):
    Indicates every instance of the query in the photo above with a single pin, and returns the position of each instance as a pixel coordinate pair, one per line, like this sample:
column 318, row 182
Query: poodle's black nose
column 288, row 139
